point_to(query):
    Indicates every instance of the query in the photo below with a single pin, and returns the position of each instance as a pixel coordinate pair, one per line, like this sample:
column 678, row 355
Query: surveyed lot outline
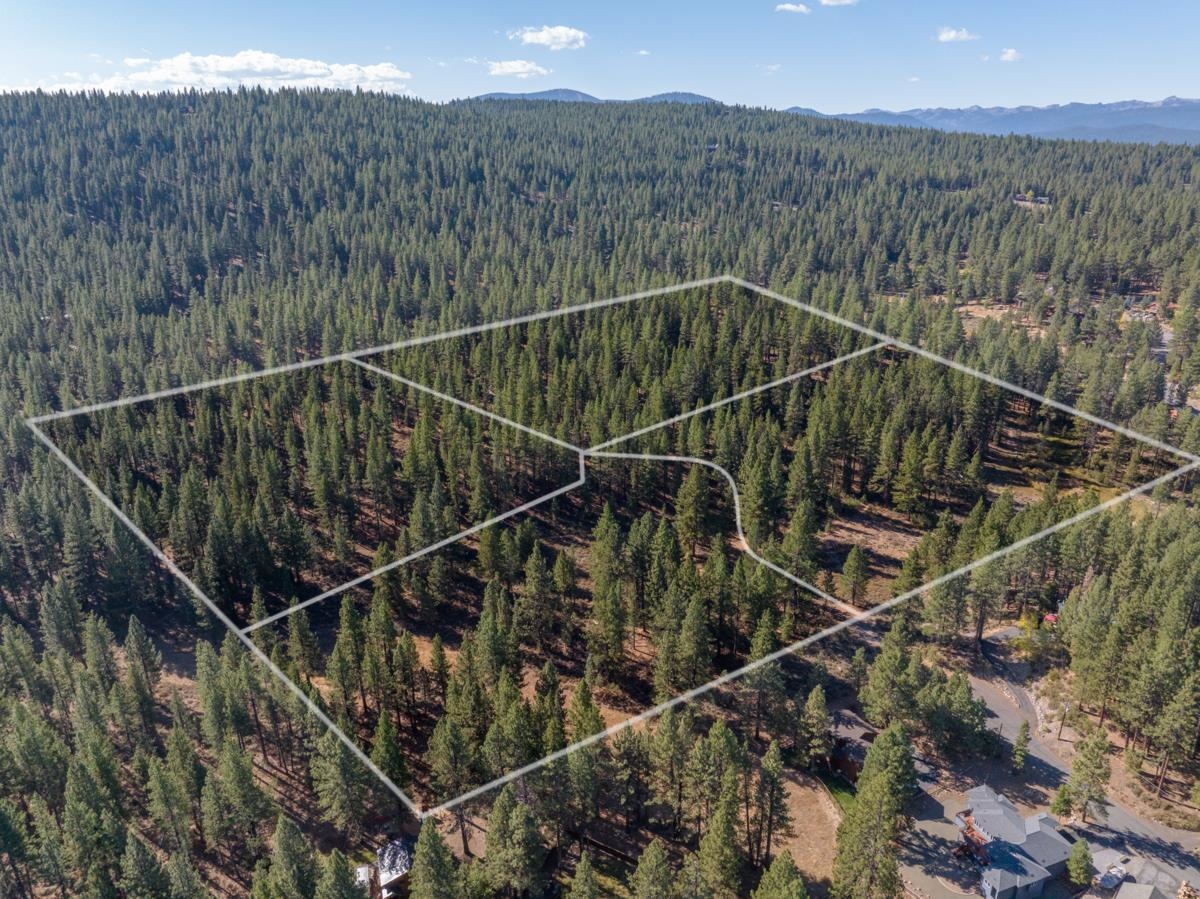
column 603, row 450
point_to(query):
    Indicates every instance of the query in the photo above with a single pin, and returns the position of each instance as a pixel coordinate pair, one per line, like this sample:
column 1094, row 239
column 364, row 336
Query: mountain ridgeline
column 1174, row 120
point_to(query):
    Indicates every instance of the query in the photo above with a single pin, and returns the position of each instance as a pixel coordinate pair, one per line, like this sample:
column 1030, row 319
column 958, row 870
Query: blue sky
column 833, row 55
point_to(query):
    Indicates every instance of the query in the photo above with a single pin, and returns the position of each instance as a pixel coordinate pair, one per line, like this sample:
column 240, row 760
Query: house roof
column 1011, row 868
column 1021, row 850
column 995, row 815
column 1043, row 843
column 1036, row 835
column 1139, row 891
column 394, row 860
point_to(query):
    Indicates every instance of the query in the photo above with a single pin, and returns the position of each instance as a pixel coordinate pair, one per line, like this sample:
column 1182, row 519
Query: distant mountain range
column 1174, row 120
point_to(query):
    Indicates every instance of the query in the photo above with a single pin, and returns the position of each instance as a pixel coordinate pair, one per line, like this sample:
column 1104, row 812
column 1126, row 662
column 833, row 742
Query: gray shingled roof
column 1021, row 849
column 1043, row 843
column 1011, row 868
column 995, row 815
column 1139, row 891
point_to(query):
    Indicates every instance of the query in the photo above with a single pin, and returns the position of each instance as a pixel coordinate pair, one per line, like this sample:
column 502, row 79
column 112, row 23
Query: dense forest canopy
column 154, row 241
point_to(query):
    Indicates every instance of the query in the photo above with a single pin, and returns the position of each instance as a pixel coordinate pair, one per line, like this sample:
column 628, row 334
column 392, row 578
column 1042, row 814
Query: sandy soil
column 816, row 820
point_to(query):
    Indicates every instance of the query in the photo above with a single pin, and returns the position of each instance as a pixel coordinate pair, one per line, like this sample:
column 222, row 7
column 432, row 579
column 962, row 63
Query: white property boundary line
column 964, row 369
column 221, row 616
column 858, row 618
column 411, row 557
column 844, row 608
column 352, row 355
column 356, row 355
column 383, row 569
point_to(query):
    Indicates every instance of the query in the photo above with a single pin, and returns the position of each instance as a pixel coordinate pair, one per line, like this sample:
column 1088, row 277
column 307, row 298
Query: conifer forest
column 161, row 241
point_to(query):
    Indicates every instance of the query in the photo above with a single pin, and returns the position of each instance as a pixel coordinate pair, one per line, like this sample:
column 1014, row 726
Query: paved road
column 1168, row 847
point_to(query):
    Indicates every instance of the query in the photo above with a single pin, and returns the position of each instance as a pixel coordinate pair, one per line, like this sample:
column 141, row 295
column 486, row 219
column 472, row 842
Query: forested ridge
column 154, row 241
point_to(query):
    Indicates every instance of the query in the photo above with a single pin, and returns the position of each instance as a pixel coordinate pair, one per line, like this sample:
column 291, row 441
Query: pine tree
column 14, row 848
column 233, row 807
column 338, row 780
column 93, row 829
column 439, row 667
column 606, row 635
column 690, row 508
column 79, row 552
column 800, row 547
column 865, row 866
column 691, row 883
column 303, row 651
column 781, row 881
column 141, row 653
column 293, row 870
column 719, row 861
column 815, row 741
column 653, row 877
column 388, row 758
column 583, row 883
column 536, row 612
column 670, row 745
column 695, row 653
column 890, row 759
column 451, row 761
column 169, row 805
column 1062, row 805
column 184, row 882
column 859, row 670
column 61, row 619
column 514, row 846
column 434, row 873
column 49, row 857
column 771, row 817
column 1020, row 747
column 337, row 879
column 605, row 552
column 142, row 877
column 1090, row 772
column 765, row 682
column 584, row 765
column 564, row 576
column 629, row 772
column 855, row 573
column 1079, row 863
column 888, row 695
column 908, row 488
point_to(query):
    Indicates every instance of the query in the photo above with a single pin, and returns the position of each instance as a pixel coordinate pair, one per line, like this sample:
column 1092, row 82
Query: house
column 364, row 879
column 1139, row 891
column 852, row 737
column 393, row 862
column 1019, row 855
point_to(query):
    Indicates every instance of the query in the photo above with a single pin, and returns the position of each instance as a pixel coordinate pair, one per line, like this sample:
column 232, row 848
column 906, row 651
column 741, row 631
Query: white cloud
column 555, row 37
column 517, row 68
column 769, row 68
column 793, row 7
column 246, row 67
column 1009, row 54
column 914, row 79
column 643, row 53
column 947, row 34
column 838, row 2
